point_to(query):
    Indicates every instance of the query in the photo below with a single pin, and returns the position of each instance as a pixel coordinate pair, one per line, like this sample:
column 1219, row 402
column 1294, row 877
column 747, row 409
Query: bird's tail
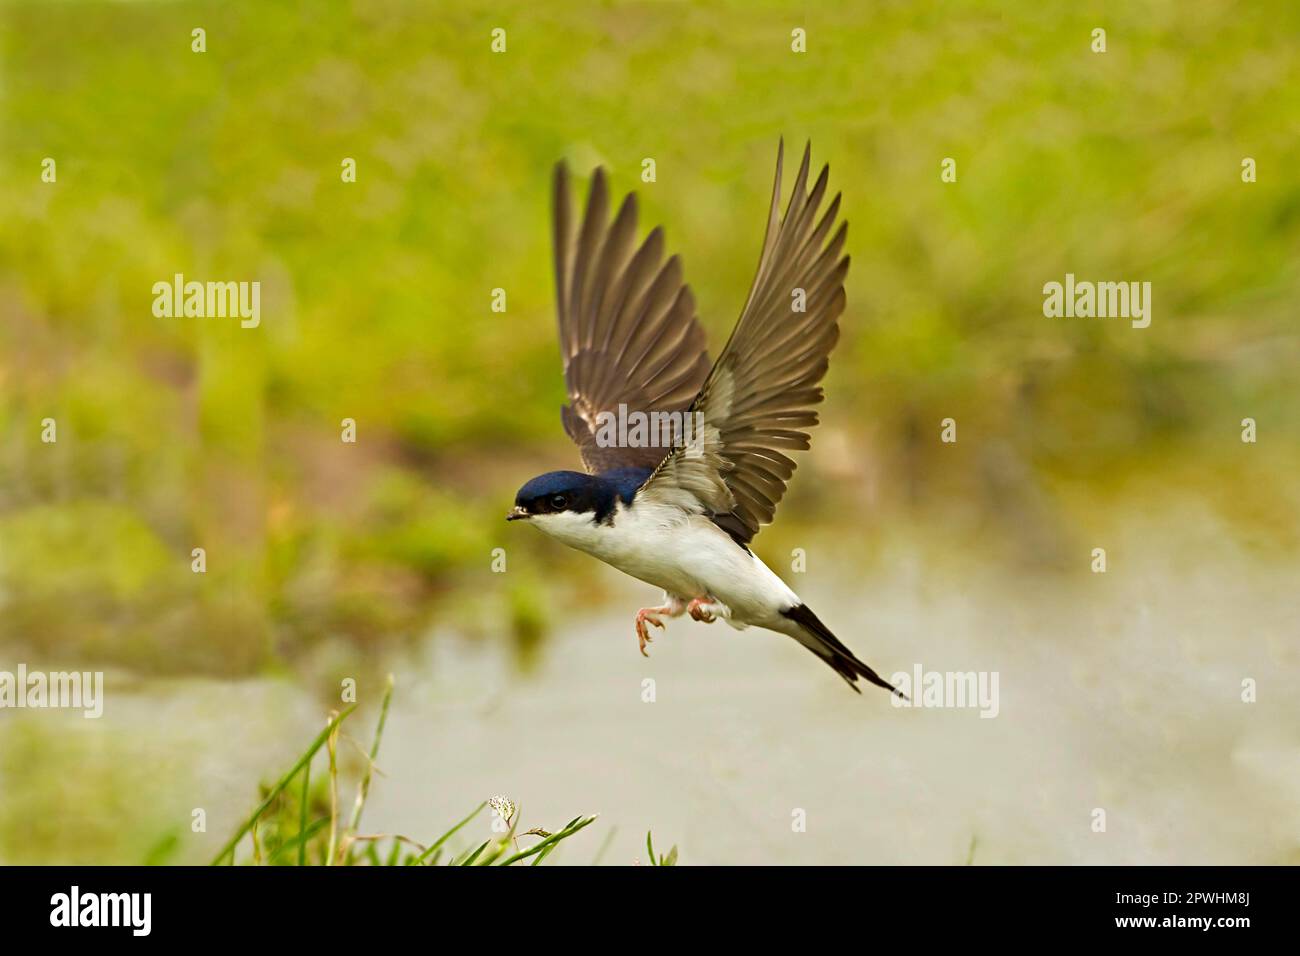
column 817, row 637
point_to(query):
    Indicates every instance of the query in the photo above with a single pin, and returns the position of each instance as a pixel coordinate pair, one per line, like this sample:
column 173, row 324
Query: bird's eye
column 558, row 502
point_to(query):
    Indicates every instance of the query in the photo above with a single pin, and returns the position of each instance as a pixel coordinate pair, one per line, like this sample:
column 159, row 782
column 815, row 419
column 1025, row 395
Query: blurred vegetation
column 225, row 165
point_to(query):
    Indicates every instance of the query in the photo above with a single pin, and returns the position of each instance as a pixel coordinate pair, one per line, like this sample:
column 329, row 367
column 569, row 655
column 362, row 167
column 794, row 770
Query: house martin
column 685, row 460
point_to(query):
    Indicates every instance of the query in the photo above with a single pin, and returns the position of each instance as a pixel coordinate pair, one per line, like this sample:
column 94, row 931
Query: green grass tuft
column 304, row 826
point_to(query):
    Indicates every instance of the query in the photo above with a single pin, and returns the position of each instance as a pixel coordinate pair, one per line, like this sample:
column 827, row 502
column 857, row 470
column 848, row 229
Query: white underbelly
column 688, row 556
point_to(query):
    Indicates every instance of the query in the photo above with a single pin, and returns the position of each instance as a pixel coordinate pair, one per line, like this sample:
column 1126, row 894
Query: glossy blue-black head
column 572, row 492
column 557, row 491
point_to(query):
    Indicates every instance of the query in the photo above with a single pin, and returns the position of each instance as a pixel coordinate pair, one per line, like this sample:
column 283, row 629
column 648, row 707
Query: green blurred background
column 324, row 558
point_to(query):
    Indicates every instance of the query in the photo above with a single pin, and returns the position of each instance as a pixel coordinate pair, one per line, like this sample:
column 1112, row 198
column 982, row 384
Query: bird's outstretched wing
column 757, row 403
column 628, row 331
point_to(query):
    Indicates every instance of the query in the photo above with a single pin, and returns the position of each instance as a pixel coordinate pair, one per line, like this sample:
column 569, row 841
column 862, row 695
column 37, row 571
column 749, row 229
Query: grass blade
column 443, row 839
column 229, row 848
column 604, row 847
column 331, row 744
column 469, row 860
column 363, row 791
column 551, row 840
column 300, row 840
column 302, row 814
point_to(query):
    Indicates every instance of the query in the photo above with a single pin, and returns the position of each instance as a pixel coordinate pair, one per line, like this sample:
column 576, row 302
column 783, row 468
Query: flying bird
column 677, row 504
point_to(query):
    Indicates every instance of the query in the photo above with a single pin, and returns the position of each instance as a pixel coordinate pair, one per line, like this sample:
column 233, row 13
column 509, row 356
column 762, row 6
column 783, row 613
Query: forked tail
column 817, row 637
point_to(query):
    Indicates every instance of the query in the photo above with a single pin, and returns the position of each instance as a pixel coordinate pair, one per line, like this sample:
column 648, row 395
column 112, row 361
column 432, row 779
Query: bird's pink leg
column 651, row 615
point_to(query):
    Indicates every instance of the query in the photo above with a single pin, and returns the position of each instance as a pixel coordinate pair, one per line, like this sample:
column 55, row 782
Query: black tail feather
column 834, row 652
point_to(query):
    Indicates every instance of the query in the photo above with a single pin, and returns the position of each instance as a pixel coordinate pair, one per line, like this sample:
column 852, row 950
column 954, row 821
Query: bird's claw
column 697, row 610
column 643, row 617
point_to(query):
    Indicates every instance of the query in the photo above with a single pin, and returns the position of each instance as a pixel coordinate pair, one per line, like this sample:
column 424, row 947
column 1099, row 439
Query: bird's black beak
column 516, row 513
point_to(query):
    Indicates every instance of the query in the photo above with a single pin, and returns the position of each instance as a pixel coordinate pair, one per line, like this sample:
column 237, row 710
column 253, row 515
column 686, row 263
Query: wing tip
column 560, row 185
column 598, row 191
column 629, row 207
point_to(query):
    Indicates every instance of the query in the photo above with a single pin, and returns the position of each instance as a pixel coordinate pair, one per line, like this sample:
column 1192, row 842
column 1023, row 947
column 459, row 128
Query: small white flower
column 504, row 807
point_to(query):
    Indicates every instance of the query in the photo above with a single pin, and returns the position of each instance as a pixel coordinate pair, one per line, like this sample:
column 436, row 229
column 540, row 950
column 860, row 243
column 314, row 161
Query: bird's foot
column 707, row 609
column 649, row 615
column 673, row 607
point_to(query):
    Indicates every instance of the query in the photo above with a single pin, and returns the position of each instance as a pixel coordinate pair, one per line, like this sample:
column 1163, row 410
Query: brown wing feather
column 758, row 400
column 628, row 331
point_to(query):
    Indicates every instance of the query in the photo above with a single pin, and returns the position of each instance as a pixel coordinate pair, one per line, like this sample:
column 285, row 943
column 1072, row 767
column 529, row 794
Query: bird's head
column 558, row 499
